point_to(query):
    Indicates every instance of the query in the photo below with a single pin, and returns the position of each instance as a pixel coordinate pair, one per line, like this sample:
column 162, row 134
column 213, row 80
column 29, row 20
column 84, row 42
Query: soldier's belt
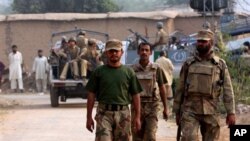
column 112, row 107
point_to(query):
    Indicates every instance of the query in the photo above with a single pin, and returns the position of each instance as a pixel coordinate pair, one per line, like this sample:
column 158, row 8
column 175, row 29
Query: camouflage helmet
column 72, row 39
column 159, row 25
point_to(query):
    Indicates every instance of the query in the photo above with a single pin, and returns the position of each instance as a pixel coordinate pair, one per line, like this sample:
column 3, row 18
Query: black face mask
column 203, row 49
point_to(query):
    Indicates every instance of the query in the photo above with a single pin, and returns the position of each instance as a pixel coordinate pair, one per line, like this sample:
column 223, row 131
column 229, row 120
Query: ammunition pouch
column 147, row 81
column 203, row 81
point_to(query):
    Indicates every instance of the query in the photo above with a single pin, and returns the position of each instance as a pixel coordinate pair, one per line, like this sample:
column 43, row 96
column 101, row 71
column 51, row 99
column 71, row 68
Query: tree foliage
column 61, row 6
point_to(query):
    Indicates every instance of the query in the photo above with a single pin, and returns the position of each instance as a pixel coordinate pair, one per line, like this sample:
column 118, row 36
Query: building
column 33, row 31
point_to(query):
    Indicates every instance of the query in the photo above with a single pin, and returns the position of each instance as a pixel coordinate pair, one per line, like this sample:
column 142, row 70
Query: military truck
column 68, row 88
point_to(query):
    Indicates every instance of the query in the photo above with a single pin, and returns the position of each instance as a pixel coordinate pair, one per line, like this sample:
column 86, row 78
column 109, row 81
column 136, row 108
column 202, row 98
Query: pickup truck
column 68, row 88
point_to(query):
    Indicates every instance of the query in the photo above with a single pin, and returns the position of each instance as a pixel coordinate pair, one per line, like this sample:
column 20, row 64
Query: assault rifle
column 139, row 36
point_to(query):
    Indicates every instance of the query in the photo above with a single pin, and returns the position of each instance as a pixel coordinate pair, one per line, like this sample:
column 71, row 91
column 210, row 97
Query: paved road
column 33, row 119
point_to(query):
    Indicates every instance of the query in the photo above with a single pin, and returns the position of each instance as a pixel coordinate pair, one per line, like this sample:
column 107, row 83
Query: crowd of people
column 79, row 56
column 145, row 85
column 204, row 79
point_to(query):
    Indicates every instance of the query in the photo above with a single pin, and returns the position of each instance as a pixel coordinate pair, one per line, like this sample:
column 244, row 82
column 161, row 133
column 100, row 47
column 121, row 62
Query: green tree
column 59, row 6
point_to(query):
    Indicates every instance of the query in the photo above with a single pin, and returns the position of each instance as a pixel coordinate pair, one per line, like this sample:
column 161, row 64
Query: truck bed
column 67, row 82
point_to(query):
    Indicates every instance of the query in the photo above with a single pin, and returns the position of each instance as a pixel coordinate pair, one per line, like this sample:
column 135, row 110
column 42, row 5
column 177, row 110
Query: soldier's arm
column 137, row 109
column 135, row 89
column 83, row 53
column 180, row 91
column 90, row 104
column 161, row 80
column 92, row 88
column 62, row 53
column 228, row 94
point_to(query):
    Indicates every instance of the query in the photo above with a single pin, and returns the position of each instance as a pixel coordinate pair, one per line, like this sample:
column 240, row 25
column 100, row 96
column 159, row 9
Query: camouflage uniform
column 114, row 88
column 201, row 82
column 150, row 98
column 71, row 53
column 81, row 40
column 89, row 59
column 122, row 124
column 161, row 39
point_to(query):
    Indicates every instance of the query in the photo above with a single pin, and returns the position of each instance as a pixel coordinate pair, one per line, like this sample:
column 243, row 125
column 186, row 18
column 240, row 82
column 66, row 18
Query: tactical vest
column 147, row 79
column 205, row 79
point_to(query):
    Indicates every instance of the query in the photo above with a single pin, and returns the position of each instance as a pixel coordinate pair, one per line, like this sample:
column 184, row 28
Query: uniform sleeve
column 160, row 77
column 180, row 91
column 228, row 94
column 157, row 39
column 93, row 82
column 134, row 84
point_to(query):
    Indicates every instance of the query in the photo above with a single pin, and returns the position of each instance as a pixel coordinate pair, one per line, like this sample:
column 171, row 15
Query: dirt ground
column 29, row 117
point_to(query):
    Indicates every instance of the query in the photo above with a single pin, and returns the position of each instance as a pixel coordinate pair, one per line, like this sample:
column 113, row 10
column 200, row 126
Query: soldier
column 200, row 102
column 71, row 53
column 113, row 85
column 161, row 37
column 152, row 80
column 168, row 68
column 81, row 40
column 90, row 59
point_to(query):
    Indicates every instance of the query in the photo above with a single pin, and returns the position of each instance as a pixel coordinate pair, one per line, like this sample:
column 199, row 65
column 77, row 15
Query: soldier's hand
column 137, row 125
column 165, row 114
column 177, row 119
column 90, row 124
column 230, row 119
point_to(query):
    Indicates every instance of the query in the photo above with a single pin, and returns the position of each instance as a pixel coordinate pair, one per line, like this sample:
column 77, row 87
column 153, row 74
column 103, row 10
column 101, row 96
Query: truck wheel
column 54, row 97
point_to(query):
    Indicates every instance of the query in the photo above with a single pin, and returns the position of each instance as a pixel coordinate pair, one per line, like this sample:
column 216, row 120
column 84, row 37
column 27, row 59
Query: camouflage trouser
column 113, row 125
column 149, row 121
column 208, row 125
column 169, row 99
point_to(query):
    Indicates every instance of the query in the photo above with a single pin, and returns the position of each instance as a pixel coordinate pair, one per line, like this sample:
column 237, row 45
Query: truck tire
column 54, row 98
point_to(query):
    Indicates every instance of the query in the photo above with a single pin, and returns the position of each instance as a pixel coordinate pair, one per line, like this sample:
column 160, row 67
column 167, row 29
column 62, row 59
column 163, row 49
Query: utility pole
column 206, row 7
